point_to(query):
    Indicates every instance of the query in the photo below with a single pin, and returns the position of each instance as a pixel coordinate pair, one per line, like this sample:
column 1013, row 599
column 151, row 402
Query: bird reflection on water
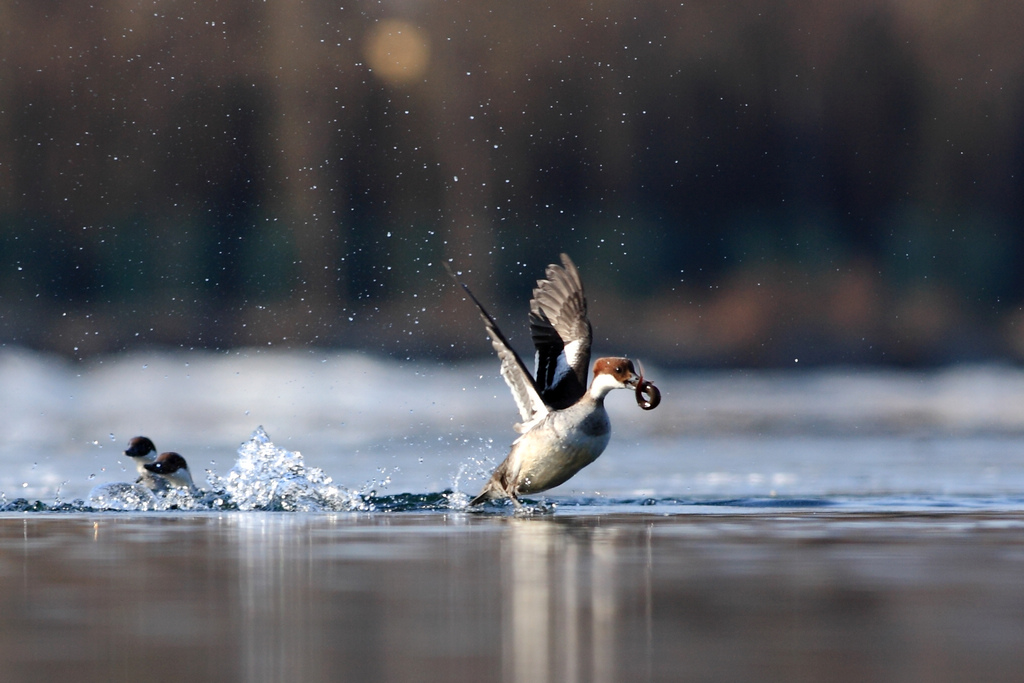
column 564, row 602
column 811, row 595
column 264, row 596
column 534, row 598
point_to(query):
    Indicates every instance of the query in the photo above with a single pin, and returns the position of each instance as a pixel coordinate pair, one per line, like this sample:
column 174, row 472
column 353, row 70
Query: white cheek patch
column 603, row 383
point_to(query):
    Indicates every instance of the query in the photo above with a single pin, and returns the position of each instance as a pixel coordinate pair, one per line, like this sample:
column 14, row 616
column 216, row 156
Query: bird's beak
column 633, row 381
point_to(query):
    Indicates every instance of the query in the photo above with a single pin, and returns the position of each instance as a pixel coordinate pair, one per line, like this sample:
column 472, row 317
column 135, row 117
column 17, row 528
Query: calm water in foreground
column 827, row 525
column 461, row 597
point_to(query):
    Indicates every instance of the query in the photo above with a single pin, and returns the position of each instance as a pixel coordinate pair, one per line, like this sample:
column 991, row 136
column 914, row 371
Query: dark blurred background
column 740, row 183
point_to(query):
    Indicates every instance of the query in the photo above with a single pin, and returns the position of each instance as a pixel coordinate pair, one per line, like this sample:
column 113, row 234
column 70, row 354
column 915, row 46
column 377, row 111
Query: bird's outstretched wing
column 561, row 334
column 518, row 378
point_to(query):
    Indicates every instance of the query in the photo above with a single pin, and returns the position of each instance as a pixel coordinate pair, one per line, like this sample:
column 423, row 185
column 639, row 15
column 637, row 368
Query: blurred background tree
column 741, row 183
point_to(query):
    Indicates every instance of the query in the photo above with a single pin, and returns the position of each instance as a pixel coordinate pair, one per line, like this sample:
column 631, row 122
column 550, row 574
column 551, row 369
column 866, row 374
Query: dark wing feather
column 562, row 334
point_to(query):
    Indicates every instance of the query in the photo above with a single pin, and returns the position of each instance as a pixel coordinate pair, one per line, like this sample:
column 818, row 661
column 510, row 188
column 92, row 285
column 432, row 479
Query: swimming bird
column 142, row 451
column 168, row 471
column 564, row 426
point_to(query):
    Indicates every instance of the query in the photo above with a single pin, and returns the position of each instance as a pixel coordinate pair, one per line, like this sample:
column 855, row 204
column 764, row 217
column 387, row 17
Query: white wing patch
column 531, row 407
column 571, row 358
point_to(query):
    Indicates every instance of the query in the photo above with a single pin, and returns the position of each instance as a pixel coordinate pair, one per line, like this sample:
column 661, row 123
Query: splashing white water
column 122, row 496
column 266, row 477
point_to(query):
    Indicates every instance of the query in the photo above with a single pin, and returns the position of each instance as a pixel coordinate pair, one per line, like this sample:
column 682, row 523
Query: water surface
column 833, row 525
column 952, row 436
column 382, row 597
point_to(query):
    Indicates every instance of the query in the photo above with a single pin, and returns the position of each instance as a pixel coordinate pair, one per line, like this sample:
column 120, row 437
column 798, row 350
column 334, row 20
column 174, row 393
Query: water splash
column 266, row 477
column 122, row 497
column 474, row 469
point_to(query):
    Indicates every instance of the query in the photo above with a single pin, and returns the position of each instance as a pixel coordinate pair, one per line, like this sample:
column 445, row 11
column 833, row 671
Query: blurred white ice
column 426, row 426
